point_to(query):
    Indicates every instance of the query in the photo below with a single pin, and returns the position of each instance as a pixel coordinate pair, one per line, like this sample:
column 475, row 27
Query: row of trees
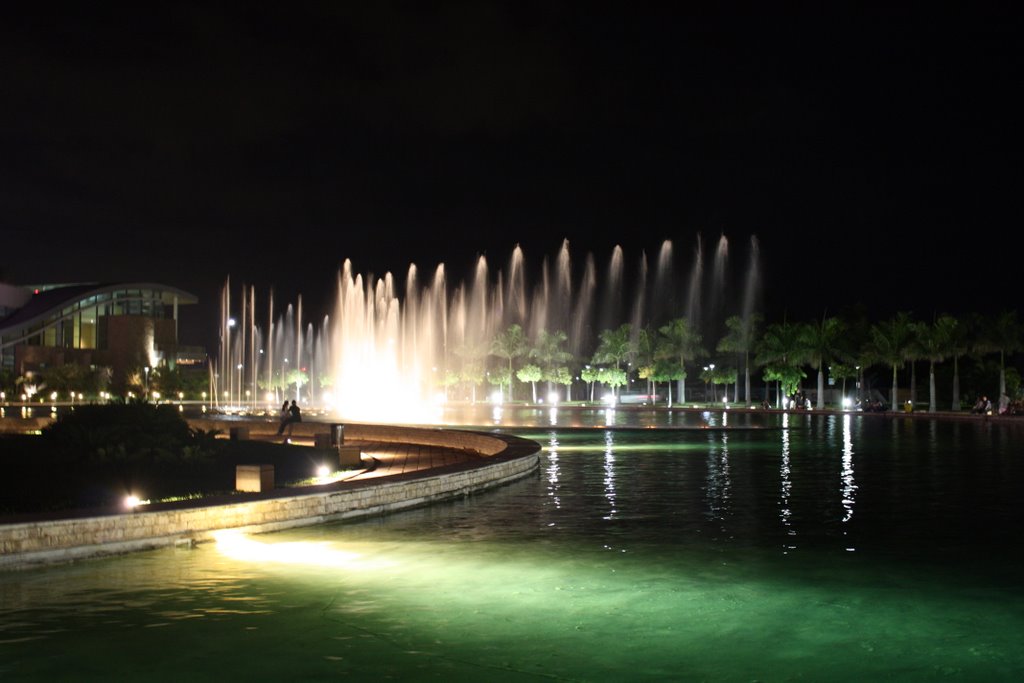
column 69, row 378
column 842, row 348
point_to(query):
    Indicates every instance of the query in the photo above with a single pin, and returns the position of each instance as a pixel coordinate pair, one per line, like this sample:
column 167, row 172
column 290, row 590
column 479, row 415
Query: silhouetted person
column 292, row 416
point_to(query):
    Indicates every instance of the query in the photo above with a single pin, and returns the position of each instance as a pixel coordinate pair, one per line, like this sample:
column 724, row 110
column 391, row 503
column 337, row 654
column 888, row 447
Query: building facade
column 122, row 326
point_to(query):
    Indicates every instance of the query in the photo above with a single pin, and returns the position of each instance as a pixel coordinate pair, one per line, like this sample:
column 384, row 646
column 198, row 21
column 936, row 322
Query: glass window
column 87, row 336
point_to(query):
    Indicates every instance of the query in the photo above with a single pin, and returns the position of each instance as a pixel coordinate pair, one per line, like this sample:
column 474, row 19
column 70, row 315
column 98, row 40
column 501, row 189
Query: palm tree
column 615, row 345
column 549, row 351
column 1001, row 334
column 780, row 348
column 844, row 372
column 471, row 370
column 510, row 344
column 934, row 346
column 821, row 345
column 680, row 343
column 957, row 338
column 741, row 338
column 666, row 370
column 889, row 344
column 646, row 346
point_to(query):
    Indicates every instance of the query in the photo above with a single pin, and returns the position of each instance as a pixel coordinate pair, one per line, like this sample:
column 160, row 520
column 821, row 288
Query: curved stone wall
column 40, row 541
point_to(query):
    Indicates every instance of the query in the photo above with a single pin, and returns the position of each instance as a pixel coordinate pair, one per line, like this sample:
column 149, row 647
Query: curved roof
column 46, row 301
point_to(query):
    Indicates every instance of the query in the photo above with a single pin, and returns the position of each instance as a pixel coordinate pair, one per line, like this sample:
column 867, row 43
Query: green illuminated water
column 835, row 549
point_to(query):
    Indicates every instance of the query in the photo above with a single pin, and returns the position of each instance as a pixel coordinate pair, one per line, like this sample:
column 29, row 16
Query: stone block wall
column 46, row 541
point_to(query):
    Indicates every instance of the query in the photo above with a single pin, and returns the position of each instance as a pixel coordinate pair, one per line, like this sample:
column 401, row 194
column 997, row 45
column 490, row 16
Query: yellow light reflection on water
column 237, row 545
column 626, row 448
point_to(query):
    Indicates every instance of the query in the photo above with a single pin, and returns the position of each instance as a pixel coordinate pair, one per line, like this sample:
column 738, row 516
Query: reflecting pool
column 810, row 548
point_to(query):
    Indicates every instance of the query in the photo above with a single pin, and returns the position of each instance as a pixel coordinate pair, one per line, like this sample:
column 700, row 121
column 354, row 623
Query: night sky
column 877, row 157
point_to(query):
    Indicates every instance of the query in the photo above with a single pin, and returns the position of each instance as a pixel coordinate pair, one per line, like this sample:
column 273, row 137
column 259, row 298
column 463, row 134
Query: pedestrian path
column 384, row 459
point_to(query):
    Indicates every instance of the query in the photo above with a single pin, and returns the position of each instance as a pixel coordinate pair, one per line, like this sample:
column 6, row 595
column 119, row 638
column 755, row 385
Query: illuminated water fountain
column 391, row 351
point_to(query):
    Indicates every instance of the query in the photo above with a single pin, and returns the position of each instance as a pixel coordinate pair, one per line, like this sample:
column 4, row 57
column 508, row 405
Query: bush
column 96, row 455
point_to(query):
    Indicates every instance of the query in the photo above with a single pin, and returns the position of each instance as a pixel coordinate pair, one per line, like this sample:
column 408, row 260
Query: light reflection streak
column 718, row 482
column 553, row 416
column 849, row 488
column 609, row 472
column 238, row 546
column 552, row 471
column 785, row 513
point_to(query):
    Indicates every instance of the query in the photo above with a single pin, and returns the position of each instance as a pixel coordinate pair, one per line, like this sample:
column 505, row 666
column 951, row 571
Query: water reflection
column 552, row 471
column 718, row 481
column 849, row 488
column 609, row 472
column 785, row 513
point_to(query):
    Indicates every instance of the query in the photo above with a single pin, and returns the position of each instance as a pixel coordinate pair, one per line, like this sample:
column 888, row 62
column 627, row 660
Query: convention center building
column 122, row 327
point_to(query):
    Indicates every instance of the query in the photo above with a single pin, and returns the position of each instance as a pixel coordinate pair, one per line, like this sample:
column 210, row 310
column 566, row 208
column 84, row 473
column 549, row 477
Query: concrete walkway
column 384, row 459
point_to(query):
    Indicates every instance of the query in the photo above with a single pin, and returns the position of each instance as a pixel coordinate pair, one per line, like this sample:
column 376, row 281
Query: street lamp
column 231, row 322
column 146, row 371
column 239, row 366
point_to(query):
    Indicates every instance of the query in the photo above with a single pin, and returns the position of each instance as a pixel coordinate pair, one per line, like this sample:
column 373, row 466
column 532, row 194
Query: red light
column 36, row 292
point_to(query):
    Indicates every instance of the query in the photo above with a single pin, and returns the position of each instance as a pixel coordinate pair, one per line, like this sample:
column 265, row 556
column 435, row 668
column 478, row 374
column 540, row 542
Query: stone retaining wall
column 61, row 540
column 484, row 444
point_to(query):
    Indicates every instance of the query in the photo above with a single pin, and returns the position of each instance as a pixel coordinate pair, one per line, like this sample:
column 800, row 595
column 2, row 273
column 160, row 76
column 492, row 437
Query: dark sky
column 876, row 156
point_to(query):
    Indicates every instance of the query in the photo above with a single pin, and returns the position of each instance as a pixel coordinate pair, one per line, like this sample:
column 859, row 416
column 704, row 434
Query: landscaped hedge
column 97, row 455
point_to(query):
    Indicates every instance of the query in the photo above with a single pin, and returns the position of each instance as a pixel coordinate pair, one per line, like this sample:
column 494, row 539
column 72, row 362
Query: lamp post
column 239, row 367
column 145, row 370
column 231, row 322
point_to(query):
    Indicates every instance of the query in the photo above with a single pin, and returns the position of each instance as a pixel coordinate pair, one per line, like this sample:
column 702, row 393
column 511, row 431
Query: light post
column 227, row 355
column 146, row 388
column 239, row 367
column 714, row 396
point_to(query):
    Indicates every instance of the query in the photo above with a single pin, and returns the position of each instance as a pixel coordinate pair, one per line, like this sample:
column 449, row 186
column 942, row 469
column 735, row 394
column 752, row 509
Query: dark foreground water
column 819, row 549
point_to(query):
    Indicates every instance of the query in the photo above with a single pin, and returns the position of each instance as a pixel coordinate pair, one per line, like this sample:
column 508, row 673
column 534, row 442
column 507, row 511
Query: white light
column 553, row 397
column 609, row 399
column 847, row 402
column 156, row 395
column 323, row 471
column 232, row 322
column 234, row 544
column 53, row 396
column 132, row 502
column 496, row 398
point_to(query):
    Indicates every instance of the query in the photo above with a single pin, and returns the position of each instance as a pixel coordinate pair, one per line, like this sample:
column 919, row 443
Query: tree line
column 842, row 349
